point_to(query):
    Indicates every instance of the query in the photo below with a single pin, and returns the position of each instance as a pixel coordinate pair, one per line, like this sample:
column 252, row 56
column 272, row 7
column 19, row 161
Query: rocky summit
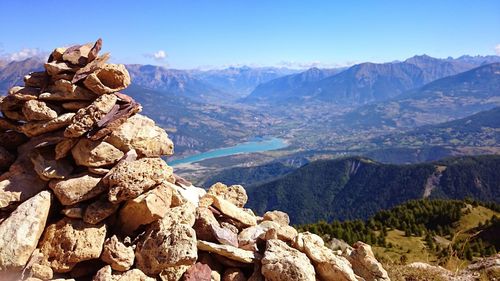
column 85, row 195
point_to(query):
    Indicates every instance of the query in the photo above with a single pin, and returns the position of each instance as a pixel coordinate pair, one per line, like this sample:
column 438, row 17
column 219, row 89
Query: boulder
column 95, row 153
column 20, row 232
column 108, row 79
column 77, row 188
column 37, row 110
column 365, row 264
column 71, row 241
column 116, row 254
column 140, row 133
column 281, row 263
column 129, row 179
column 145, row 208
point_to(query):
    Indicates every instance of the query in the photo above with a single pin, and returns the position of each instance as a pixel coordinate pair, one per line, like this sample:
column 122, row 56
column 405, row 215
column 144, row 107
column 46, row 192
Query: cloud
column 25, row 53
column 497, row 49
column 319, row 64
column 160, row 55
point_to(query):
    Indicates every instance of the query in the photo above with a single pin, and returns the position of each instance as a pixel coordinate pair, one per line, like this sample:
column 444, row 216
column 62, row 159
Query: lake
column 258, row 145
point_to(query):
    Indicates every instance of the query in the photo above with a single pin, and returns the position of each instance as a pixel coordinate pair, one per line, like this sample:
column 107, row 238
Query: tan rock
column 227, row 251
column 77, row 55
column 232, row 211
column 41, row 271
column 140, row 133
column 108, row 79
column 277, row 216
column 145, row 208
column 20, row 232
column 54, row 68
column 215, row 276
column 75, row 105
column 47, row 167
column 63, row 148
column 198, row 272
column 116, row 254
column 203, row 221
column 77, row 188
column 173, row 273
column 95, row 153
column 70, row 241
column 106, row 274
column 166, row 245
column 235, row 194
column 99, row 171
column 64, row 90
column 281, row 262
column 19, row 93
column 87, row 117
column 36, row 79
column 129, row 179
column 224, row 236
column 365, row 264
column 38, row 110
column 36, row 128
column 99, row 210
column 57, row 54
column 233, row 274
column 328, row 265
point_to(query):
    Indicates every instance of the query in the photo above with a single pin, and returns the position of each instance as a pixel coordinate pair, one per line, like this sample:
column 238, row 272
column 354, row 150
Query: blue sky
column 214, row 33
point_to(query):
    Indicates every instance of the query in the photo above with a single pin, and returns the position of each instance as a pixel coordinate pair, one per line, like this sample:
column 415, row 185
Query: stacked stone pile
column 85, row 195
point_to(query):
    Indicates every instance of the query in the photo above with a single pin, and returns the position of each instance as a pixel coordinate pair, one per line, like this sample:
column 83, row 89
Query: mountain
column 287, row 85
column 366, row 82
column 358, row 187
column 445, row 99
column 240, row 81
column 12, row 73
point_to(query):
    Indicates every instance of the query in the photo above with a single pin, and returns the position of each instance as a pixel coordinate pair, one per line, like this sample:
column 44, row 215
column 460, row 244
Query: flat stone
column 145, row 208
column 99, row 210
column 77, row 188
column 36, row 79
column 129, row 179
column 63, row 148
column 224, row 235
column 365, row 264
column 116, row 254
column 281, row 262
column 54, row 68
column 75, row 105
column 140, row 133
column 166, row 245
column 203, row 224
column 64, row 90
column 107, row 274
column 77, row 55
column 95, row 153
column 47, row 167
column 70, row 241
column 87, row 117
column 36, row 128
column 20, row 232
column 198, row 272
column 24, row 93
column 108, row 79
column 229, row 252
column 232, row 211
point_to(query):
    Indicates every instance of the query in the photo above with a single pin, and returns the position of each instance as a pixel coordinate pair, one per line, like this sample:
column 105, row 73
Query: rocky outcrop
column 76, row 155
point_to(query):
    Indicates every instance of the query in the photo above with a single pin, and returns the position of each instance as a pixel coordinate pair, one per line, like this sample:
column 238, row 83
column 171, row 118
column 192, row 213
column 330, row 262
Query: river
column 246, row 147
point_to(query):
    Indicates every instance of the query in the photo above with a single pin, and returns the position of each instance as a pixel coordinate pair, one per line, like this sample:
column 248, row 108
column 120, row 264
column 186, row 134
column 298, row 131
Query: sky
column 218, row 33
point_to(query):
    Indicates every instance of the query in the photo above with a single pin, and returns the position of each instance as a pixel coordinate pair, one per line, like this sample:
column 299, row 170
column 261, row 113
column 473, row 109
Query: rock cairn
column 85, row 195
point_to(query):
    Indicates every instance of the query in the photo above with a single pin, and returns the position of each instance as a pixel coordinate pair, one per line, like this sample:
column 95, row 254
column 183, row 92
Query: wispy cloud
column 159, row 55
column 497, row 49
column 25, row 53
column 318, row 64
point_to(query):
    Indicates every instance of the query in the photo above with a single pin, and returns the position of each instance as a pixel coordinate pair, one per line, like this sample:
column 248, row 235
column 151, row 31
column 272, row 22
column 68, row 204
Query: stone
column 203, row 224
column 54, row 68
column 64, row 90
column 36, row 128
column 233, row 274
column 173, row 273
column 74, row 212
column 87, row 117
column 63, row 148
column 184, row 214
column 365, row 264
column 235, row 194
column 47, row 167
column 140, row 133
column 129, row 179
column 116, row 254
column 145, row 208
column 99, row 210
column 77, row 55
column 232, row 211
column 247, row 238
column 185, row 193
column 70, row 241
column 77, row 188
column 328, row 265
column 108, row 79
column 20, row 232
column 165, row 245
column 277, row 216
column 34, row 110
column 36, row 79
column 224, row 235
column 198, row 272
column 215, row 276
column 281, row 262
column 229, row 252
column 57, row 54
column 6, row 124
column 95, row 153
column 6, row 159
column 41, row 271
column 106, row 274
column 75, row 105
column 19, row 93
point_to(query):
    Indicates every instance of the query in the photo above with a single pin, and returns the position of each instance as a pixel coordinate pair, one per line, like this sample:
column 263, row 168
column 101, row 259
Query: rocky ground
column 85, row 195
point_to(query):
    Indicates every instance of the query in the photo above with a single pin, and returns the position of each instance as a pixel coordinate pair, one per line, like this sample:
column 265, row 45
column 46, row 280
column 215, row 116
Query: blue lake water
column 257, row 145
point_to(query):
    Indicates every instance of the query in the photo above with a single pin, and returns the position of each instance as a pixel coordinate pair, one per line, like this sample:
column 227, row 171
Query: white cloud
column 25, row 53
column 160, row 55
column 318, row 64
column 497, row 49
